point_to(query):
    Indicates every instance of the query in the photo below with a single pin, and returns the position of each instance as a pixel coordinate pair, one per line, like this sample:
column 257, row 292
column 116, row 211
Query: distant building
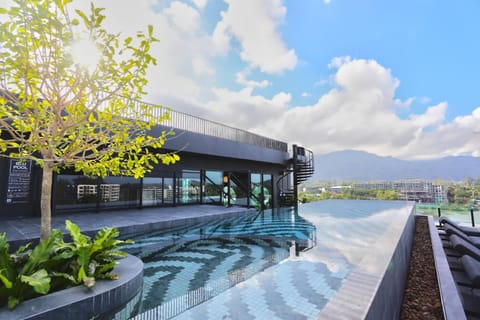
column 413, row 190
column 338, row 189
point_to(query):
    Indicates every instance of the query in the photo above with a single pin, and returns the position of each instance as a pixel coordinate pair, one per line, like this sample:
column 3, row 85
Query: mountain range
column 351, row 165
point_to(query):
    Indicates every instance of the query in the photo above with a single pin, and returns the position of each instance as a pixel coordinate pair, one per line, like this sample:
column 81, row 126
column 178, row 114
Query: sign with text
column 19, row 176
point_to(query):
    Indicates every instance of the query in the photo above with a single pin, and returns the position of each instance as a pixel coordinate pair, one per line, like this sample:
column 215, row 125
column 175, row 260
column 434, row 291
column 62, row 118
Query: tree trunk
column 46, row 202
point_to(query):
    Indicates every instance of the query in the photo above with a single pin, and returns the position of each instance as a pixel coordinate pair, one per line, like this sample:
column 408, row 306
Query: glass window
column 268, row 190
column 213, row 187
column 119, row 192
column 168, row 190
column 239, row 188
column 256, row 190
column 189, row 187
column 152, row 192
column 75, row 192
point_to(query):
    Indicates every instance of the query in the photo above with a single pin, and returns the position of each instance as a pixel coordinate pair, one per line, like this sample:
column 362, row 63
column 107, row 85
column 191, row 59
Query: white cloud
column 359, row 113
column 433, row 116
column 241, row 78
column 306, row 94
column 184, row 67
column 254, row 24
column 201, row 67
column 404, row 104
column 182, row 16
column 245, row 110
column 337, row 62
column 425, row 100
column 321, row 83
column 327, row 1
column 200, row 3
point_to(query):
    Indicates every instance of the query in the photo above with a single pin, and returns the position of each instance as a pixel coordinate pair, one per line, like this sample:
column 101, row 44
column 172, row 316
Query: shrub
column 55, row 264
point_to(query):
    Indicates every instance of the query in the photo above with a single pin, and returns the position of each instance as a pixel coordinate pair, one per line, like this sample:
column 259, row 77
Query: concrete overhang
column 214, row 146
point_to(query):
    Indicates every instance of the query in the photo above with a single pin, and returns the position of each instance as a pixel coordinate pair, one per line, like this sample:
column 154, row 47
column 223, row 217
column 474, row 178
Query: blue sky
column 395, row 78
column 429, row 45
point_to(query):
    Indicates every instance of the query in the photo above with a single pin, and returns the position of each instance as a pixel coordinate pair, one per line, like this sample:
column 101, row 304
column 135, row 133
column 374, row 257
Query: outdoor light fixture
column 225, row 179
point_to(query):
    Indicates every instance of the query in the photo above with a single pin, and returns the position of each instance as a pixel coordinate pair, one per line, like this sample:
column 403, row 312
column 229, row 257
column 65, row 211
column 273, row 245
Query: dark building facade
column 219, row 165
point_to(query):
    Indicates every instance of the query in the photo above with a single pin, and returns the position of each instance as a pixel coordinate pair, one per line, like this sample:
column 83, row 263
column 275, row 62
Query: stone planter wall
column 388, row 299
column 451, row 302
column 106, row 297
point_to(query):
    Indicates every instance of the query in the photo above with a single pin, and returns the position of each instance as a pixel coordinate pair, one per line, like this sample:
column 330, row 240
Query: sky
column 394, row 78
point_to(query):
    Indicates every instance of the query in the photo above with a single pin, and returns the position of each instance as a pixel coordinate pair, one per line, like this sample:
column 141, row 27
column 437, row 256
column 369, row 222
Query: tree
column 59, row 113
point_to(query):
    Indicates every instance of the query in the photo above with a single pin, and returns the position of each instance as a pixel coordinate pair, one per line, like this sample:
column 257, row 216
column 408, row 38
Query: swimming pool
column 278, row 264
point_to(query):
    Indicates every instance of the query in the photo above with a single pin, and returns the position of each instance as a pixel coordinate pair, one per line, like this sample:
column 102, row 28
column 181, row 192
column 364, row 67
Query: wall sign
column 19, row 174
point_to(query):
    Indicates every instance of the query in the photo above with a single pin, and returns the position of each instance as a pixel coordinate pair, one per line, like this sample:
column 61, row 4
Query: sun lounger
column 467, row 230
column 464, row 247
column 452, row 230
column 472, row 269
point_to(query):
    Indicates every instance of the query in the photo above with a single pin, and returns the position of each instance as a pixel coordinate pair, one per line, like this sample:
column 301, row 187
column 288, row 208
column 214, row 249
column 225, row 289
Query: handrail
column 187, row 122
column 302, row 168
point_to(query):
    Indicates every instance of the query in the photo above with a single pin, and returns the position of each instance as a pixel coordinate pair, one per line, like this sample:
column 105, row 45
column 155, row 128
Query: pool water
column 281, row 264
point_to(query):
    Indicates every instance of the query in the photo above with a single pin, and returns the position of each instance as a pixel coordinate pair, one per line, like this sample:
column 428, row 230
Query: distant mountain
column 363, row 166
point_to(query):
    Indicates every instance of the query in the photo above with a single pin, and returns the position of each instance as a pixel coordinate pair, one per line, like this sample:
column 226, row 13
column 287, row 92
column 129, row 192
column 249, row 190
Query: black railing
column 183, row 121
column 472, row 215
column 302, row 168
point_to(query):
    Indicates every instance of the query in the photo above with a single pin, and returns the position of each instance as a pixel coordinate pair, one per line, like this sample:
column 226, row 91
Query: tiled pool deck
column 354, row 271
column 127, row 221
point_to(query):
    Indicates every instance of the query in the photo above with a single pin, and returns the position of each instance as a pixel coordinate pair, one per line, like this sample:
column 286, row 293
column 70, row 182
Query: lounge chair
column 452, row 230
column 472, row 269
column 464, row 247
column 467, row 230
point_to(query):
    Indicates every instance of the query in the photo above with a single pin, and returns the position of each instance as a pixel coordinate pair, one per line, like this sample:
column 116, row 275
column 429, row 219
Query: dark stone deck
column 22, row 230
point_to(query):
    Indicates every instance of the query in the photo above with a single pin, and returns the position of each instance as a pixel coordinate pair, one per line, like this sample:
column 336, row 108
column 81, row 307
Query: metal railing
column 472, row 215
column 187, row 122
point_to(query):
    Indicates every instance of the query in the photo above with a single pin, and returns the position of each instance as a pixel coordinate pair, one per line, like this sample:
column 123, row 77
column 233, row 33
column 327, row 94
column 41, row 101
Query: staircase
column 301, row 168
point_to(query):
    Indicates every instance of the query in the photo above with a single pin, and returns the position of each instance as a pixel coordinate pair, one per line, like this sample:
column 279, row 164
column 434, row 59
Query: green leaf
column 78, row 238
column 12, row 302
column 41, row 254
column 23, row 248
column 81, row 274
column 5, row 260
column 40, row 281
column 67, row 276
column 7, row 283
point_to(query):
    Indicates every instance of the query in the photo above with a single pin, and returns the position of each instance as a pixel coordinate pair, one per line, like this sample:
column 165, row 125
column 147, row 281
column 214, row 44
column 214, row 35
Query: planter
column 451, row 301
column 102, row 301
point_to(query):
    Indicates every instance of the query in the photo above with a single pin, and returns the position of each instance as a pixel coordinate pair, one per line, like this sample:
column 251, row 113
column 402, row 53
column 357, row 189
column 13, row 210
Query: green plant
column 24, row 274
column 91, row 260
column 55, row 264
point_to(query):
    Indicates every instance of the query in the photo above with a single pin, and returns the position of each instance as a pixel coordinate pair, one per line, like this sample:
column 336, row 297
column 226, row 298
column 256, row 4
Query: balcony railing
column 187, row 122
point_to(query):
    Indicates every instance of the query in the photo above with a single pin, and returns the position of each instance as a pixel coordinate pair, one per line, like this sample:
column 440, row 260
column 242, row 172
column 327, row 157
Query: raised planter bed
column 104, row 299
column 431, row 292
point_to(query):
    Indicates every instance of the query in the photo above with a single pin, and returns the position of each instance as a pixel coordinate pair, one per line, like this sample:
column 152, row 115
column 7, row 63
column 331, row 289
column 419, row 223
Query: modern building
column 413, row 190
column 219, row 165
